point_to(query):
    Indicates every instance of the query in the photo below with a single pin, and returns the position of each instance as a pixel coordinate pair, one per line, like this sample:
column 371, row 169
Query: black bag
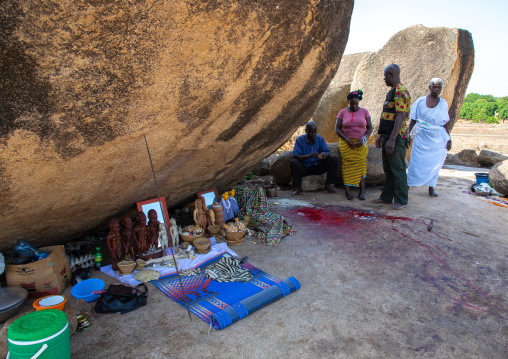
column 121, row 299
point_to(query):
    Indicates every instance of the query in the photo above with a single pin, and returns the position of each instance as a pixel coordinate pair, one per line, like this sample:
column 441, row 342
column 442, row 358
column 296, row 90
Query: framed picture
column 210, row 196
column 149, row 204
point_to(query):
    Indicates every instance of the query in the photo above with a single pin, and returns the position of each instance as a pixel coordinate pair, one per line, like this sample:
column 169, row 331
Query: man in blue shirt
column 311, row 156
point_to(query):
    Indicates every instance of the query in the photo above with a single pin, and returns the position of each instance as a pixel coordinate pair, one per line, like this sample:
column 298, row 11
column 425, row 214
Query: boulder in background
column 422, row 53
column 488, row 158
column 498, row 177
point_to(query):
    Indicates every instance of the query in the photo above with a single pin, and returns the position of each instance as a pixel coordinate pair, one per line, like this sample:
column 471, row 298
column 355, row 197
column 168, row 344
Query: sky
column 375, row 21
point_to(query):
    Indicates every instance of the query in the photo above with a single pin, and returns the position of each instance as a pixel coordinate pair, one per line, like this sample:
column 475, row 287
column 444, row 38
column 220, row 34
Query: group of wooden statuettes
column 128, row 242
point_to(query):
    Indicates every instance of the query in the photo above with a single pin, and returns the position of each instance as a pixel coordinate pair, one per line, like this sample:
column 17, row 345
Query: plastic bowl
column 83, row 290
column 50, row 302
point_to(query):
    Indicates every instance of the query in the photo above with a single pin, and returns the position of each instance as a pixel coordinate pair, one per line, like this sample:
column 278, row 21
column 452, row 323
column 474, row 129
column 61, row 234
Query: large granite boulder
column 488, row 158
column 214, row 86
column 498, row 177
column 335, row 97
column 422, row 53
column 332, row 101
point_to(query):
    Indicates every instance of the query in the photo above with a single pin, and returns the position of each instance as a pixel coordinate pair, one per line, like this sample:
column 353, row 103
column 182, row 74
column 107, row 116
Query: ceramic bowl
column 126, row 267
column 202, row 244
column 140, row 264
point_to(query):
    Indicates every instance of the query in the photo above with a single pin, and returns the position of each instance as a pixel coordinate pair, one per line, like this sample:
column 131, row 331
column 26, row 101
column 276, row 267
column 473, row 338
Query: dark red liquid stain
column 447, row 280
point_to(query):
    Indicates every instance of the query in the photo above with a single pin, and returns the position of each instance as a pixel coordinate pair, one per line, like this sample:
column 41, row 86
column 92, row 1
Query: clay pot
column 140, row 264
column 214, row 229
column 126, row 267
column 202, row 244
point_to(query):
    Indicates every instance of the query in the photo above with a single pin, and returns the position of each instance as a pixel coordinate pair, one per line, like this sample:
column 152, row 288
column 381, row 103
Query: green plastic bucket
column 43, row 334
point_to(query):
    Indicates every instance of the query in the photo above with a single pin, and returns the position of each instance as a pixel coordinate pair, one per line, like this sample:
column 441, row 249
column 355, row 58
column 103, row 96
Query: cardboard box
column 45, row 277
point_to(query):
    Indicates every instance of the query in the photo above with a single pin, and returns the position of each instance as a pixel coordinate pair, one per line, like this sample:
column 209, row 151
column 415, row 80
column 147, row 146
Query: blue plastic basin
column 84, row 289
column 482, row 178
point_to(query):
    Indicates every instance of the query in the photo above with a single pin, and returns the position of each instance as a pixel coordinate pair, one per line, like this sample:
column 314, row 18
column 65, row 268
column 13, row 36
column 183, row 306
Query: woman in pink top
column 354, row 127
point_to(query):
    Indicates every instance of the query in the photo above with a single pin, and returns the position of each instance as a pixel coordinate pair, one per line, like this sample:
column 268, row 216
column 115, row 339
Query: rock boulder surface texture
column 335, row 97
column 422, row 53
column 214, row 86
column 488, row 158
column 498, row 177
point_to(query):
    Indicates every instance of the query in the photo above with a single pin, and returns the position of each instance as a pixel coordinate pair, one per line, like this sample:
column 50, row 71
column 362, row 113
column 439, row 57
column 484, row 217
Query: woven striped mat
column 222, row 304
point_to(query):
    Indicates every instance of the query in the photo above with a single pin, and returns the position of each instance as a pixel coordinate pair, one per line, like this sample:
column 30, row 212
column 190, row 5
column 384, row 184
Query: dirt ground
column 371, row 287
column 469, row 135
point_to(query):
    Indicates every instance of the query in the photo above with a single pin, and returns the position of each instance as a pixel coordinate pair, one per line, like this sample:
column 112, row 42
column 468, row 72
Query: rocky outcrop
column 280, row 168
column 498, row 177
column 332, row 101
column 488, row 158
column 422, row 53
column 335, row 97
column 290, row 144
column 465, row 157
column 214, row 86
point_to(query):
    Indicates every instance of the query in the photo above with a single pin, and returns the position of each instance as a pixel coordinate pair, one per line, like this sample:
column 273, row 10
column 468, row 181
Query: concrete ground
column 371, row 287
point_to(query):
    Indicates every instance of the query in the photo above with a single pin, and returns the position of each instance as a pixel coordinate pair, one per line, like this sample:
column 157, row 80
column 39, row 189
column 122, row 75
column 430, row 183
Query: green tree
column 471, row 97
column 502, row 112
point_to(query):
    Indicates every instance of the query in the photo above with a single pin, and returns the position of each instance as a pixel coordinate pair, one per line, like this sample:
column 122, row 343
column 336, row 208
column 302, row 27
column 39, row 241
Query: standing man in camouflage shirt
column 394, row 139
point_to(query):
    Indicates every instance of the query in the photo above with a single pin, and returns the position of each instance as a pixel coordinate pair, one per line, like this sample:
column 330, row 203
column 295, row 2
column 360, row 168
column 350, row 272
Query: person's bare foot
column 431, row 192
column 361, row 196
column 379, row 200
column 297, row 192
column 328, row 189
column 397, row 206
column 349, row 196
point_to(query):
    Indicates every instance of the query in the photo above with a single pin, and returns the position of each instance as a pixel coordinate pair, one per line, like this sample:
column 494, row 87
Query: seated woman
column 431, row 138
column 354, row 127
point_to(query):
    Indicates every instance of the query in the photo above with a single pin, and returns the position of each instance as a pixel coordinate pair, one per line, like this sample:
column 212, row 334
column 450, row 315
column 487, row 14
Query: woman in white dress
column 431, row 138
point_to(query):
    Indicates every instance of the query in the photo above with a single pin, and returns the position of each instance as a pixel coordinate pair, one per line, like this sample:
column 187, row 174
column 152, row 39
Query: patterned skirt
column 354, row 162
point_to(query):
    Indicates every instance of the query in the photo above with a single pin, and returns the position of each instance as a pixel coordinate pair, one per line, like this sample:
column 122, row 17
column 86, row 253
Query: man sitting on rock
column 311, row 156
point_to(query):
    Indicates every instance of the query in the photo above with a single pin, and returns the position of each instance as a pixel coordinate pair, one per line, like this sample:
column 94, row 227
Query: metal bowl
column 10, row 312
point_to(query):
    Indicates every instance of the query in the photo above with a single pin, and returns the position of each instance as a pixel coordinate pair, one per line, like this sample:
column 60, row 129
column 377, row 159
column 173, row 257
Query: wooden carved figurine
column 173, row 230
column 127, row 237
column 140, row 234
column 114, row 242
column 153, row 228
column 199, row 214
column 208, row 214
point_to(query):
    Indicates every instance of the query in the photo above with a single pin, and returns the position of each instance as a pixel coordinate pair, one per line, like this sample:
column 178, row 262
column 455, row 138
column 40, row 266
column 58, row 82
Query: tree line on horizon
column 485, row 108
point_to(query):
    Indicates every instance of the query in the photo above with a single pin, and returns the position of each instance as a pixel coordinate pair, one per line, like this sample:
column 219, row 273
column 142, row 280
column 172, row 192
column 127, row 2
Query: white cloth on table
column 215, row 251
column 429, row 142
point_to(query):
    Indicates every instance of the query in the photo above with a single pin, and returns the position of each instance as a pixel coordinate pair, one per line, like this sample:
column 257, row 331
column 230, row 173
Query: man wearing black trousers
column 311, row 156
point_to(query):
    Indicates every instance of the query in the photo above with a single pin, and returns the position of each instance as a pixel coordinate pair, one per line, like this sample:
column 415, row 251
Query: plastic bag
column 25, row 249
